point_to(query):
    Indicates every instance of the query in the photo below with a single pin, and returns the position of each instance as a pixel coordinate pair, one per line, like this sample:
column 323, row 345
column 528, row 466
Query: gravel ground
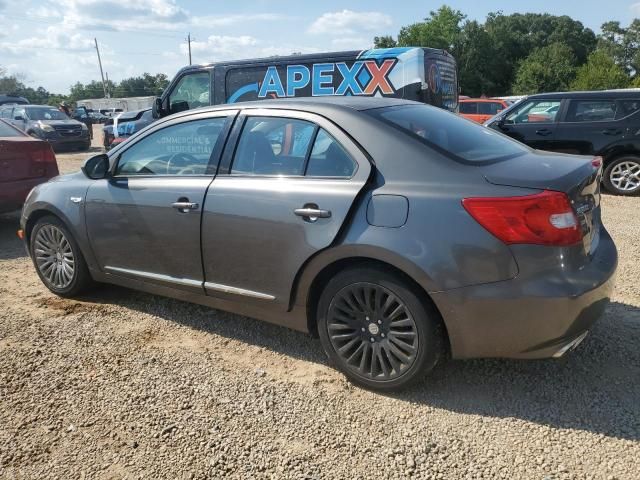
column 123, row 384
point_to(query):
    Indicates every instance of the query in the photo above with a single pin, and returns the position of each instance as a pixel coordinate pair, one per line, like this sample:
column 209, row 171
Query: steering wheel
column 181, row 161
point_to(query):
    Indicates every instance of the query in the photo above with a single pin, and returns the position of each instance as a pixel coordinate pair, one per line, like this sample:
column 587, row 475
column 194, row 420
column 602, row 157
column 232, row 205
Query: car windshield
column 456, row 137
column 45, row 113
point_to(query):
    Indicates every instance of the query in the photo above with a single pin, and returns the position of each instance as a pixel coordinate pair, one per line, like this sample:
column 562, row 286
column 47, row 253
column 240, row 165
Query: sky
column 50, row 43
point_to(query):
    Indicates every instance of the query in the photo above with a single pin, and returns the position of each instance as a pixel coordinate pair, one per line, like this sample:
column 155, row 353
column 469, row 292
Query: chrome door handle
column 312, row 214
column 184, row 206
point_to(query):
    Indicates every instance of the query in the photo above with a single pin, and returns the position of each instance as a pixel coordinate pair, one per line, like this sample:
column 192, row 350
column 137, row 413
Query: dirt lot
column 122, row 384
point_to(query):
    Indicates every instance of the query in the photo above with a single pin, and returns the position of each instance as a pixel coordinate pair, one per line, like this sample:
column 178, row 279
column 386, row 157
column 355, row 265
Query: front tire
column 58, row 259
column 622, row 176
column 375, row 328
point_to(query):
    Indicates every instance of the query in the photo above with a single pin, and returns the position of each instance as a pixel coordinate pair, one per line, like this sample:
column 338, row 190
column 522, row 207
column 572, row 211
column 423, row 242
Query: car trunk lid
column 23, row 158
column 576, row 176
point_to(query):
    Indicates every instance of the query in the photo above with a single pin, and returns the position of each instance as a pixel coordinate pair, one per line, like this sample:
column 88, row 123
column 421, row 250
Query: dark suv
column 605, row 124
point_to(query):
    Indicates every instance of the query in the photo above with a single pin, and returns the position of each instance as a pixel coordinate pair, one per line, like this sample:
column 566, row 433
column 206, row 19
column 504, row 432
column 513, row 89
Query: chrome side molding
column 237, row 291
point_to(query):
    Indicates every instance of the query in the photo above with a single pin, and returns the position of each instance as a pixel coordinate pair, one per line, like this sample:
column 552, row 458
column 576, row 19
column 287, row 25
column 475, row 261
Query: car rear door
column 144, row 221
column 590, row 125
column 534, row 122
column 280, row 198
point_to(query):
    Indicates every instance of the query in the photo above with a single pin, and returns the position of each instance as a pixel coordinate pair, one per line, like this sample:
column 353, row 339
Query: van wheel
column 622, row 176
column 374, row 327
column 58, row 259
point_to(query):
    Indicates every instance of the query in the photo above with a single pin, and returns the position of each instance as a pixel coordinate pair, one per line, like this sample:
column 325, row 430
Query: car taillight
column 45, row 157
column 596, row 162
column 542, row 219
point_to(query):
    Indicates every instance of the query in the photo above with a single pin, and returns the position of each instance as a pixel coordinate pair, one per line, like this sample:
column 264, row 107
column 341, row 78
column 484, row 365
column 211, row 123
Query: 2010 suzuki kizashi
column 397, row 232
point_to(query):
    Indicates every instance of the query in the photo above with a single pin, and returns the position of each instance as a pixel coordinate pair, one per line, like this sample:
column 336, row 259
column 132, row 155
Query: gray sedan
column 398, row 233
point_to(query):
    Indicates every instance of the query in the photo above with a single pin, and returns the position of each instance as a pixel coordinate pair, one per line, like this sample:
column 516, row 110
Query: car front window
column 45, row 114
column 182, row 149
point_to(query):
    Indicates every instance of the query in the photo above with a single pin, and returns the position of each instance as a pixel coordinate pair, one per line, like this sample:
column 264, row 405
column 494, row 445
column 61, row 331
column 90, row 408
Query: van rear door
column 441, row 80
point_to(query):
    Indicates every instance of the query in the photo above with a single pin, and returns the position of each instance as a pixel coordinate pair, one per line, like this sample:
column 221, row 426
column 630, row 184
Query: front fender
column 63, row 197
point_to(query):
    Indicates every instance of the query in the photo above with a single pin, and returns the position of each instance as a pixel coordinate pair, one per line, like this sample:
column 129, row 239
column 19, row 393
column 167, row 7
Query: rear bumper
column 529, row 317
column 13, row 194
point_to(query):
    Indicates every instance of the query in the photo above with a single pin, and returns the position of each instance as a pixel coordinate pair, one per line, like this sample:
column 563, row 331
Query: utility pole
column 104, row 85
column 108, row 95
column 189, row 42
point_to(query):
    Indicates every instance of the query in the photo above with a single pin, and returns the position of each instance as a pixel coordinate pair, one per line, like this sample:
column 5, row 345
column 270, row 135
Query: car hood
column 66, row 123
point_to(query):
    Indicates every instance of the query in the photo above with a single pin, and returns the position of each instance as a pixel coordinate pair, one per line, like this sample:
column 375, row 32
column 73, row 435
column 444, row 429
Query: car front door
column 285, row 195
column 590, row 125
column 144, row 221
column 533, row 123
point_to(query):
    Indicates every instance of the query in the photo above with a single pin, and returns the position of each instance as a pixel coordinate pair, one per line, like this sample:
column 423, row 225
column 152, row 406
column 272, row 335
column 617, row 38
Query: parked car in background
column 604, row 123
column 81, row 114
column 49, row 124
column 97, row 117
column 12, row 100
column 24, row 163
column 118, row 129
column 481, row 109
column 397, row 232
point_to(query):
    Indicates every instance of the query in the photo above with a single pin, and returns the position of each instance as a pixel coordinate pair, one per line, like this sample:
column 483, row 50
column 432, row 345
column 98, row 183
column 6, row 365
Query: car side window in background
column 489, row 108
column 273, row 146
column 591, row 111
column 469, row 108
column 534, row 111
column 329, row 159
column 626, row 108
column 192, row 91
column 182, row 149
column 5, row 112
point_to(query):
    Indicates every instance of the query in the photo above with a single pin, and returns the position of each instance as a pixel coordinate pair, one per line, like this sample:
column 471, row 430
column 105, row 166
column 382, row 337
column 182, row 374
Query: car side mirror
column 96, row 167
column 156, row 108
column 19, row 118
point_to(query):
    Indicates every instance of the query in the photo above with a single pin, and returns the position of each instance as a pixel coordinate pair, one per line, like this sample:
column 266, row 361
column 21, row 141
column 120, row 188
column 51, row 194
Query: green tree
column 515, row 36
column 547, row 69
column 385, row 41
column 476, row 61
column 622, row 44
column 600, row 73
column 440, row 30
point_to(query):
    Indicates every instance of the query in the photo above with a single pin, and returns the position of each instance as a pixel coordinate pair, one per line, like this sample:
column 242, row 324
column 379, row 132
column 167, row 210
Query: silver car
column 398, row 233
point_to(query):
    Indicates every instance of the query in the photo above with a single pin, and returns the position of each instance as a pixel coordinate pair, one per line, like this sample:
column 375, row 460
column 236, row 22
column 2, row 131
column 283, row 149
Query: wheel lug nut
column 379, row 322
column 363, row 329
column 366, row 318
column 382, row 335
column 373, row 339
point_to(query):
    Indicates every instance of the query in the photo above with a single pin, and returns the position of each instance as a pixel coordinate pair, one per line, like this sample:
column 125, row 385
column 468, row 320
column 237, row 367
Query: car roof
column 314, row 103
column 620, row 93
column 466, row 100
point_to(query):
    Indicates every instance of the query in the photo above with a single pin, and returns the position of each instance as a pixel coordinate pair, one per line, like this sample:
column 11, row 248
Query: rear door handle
column 544, row 132
column 612, row 131
column 184, row 207
column 312, row 213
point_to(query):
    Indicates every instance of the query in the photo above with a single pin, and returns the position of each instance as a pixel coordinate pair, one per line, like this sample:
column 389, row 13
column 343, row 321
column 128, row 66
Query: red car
column 24, row 163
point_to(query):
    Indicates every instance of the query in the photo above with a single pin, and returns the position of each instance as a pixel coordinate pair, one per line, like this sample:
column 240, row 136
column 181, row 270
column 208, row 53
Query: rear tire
column 58, row 259
column 622, row 176
column 376, row 329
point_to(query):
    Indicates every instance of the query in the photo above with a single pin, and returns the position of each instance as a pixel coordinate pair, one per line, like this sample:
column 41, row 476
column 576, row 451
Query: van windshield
column 446, row 132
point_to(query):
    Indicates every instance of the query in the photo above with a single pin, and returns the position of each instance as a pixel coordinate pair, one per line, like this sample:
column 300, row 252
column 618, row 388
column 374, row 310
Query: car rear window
column 446, row 132
column 7, row 131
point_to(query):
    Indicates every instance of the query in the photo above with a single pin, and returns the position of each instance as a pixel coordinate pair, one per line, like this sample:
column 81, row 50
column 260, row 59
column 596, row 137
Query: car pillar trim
column 155, row 276
column 237, row 291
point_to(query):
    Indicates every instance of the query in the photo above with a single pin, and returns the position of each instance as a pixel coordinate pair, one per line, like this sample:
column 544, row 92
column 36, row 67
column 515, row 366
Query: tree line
column 528, row 53
column 515, row 54
column 142, row 86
